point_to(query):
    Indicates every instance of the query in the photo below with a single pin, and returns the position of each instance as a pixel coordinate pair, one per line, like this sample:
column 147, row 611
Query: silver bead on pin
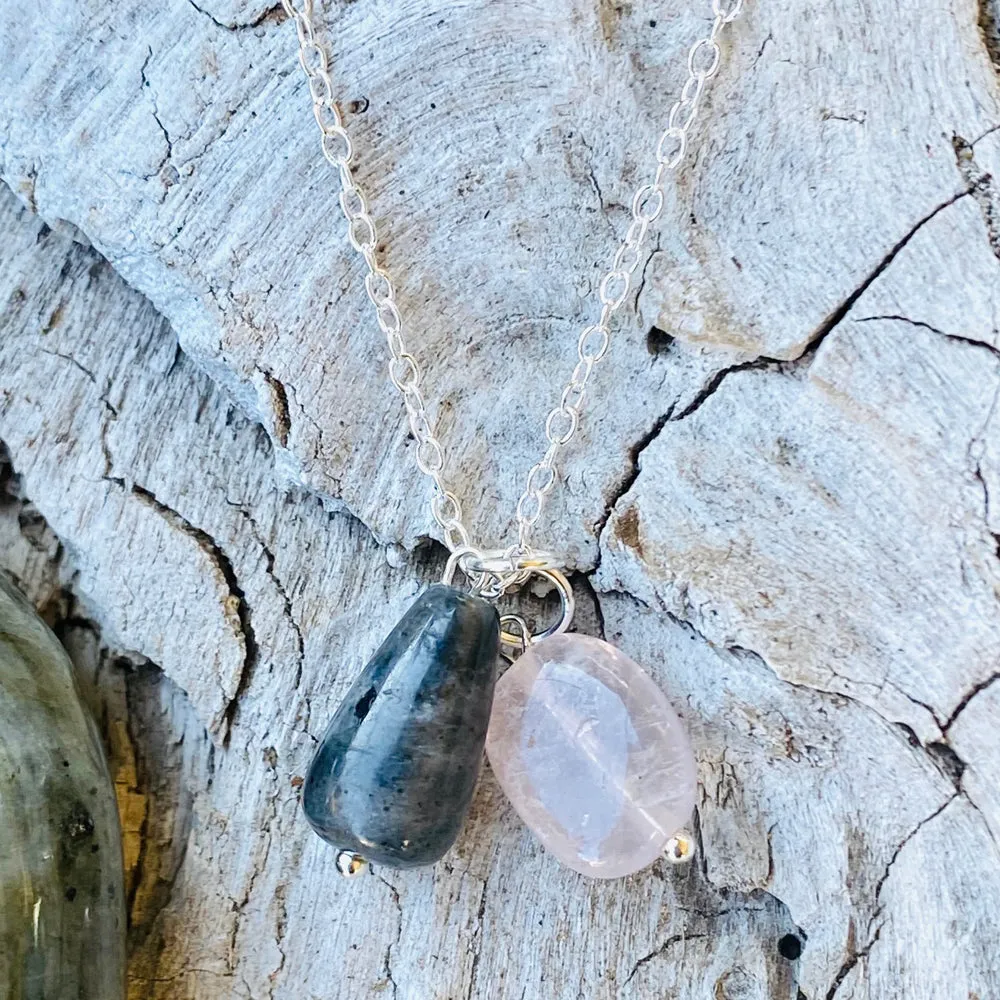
column 680, row 848
column 349, row 864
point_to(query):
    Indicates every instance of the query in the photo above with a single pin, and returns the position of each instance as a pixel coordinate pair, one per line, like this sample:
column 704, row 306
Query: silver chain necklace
column 395, row 770
column 703, row 62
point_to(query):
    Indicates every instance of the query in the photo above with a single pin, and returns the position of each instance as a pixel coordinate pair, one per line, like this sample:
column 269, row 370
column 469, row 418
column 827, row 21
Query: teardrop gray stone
column 394, row 775
column 62, row 895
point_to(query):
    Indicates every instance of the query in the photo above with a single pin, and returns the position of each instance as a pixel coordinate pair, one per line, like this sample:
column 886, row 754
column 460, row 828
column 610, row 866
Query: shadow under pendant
column 394, row 774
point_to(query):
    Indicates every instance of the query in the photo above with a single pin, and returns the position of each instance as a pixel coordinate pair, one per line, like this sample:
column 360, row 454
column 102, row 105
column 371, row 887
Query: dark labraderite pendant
column 394, row 775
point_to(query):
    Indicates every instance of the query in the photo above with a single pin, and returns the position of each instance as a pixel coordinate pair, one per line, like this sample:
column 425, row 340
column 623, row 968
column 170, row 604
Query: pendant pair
column 585, row 745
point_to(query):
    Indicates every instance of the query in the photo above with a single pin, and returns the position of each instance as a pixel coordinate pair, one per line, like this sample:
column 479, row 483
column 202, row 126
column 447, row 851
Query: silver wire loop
column 523, row 632
column 567, row 607
column 456, row 561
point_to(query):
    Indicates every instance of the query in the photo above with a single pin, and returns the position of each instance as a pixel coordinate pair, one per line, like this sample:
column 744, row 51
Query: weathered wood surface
column 781, row 501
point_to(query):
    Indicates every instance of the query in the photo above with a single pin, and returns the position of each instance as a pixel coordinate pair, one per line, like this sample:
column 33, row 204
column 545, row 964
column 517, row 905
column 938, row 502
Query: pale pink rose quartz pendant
column 591, row 755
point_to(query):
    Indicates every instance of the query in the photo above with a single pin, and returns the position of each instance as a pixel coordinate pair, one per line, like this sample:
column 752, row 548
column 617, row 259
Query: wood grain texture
column 783, row 500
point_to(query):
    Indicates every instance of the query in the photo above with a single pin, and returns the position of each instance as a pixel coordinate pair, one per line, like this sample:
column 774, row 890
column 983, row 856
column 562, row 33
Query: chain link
column 562, row 422
column 704, row 59
column 404, row 371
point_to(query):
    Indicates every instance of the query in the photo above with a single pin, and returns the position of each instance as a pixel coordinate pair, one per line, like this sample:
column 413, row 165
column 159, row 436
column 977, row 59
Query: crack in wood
column 222, row 561
column 981, row 187
column 259, row 865
column 477, row 954
column 967, row 698
column 895, row 854
column 660, row 950
column 156, row 116
column 858, row 955
column 815, row 341
column 626, row 483
column 387, row 962
column 850, row 963
column 953, row 337
column 279, row 586
column 275, row 14
column 713, row 384
column 280, row 927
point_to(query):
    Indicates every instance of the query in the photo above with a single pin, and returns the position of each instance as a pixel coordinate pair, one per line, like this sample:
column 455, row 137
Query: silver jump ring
column 522, row 630
column 503, row 561
column 558, row 579
column 458, row 560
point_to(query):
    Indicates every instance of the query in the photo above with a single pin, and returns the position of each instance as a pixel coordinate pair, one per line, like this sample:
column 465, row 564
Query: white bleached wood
column 784, row 510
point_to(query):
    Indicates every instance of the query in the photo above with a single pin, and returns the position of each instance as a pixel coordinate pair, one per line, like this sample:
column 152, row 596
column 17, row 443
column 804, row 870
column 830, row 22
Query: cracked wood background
column 783, row 500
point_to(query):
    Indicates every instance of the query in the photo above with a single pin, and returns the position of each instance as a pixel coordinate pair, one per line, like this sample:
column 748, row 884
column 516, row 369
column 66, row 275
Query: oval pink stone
column 591, row 755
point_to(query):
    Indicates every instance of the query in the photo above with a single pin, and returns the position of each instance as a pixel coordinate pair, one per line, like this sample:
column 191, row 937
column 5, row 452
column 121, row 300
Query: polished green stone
column 394, row 774
column 62, row 901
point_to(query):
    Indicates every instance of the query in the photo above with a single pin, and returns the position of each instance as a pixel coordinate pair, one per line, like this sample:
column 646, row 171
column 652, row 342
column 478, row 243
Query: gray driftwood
column 784, row 499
